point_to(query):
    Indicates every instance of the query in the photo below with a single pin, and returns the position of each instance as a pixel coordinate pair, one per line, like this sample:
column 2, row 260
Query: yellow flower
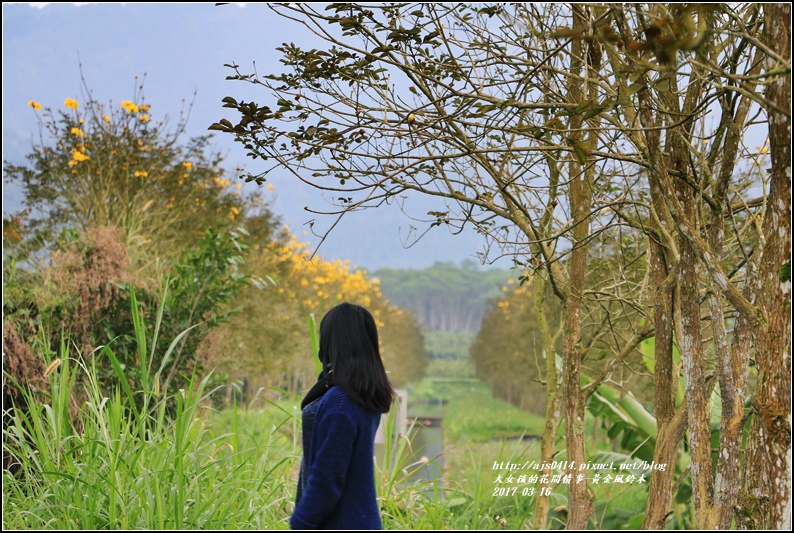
column 239, row 185
column 106, row 118
column 72, row 163
column 79, row 156
column 235, row 210
column 145, row 107
column 129, row 106
column 270, row 186
column 188, row 165
column 70, row 103
column 78, row 132
column 35, row 105
column 140, row 174
column 144, row 118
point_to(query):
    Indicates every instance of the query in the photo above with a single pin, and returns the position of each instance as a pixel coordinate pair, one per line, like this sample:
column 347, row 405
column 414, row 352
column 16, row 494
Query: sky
column 179, row 50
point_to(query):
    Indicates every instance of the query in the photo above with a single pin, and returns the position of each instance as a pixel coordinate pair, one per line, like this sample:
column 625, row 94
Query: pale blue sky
column 181, row 49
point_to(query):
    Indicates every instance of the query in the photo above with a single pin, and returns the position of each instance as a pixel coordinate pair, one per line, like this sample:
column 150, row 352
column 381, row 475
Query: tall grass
column 138, row 459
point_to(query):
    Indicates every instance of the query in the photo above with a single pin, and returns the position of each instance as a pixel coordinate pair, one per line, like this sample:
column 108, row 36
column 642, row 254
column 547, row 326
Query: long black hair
column 349, row 346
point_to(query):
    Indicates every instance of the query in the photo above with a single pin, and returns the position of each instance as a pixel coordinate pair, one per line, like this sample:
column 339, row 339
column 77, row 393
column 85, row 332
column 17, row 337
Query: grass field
column 113, row 466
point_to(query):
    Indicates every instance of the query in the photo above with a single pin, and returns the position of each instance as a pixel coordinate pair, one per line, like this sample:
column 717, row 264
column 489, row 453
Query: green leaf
column 634, row 88
column 648, row 349
column 662, row 85
column 318, row 365
column 641, row 417
column 581, row 149
column 594, row 110
column 122, row 378
column 785, row 272
column 170, row 350
column 430, row 36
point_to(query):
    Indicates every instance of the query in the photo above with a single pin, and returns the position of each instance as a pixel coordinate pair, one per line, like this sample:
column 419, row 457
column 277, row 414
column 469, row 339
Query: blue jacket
column 336, row 489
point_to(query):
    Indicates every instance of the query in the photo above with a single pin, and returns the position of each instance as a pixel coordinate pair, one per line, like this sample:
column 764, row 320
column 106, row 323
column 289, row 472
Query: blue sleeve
column 336, row 432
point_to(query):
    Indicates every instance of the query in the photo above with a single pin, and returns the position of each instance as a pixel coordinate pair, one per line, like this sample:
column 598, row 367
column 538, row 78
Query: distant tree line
column 444, row 297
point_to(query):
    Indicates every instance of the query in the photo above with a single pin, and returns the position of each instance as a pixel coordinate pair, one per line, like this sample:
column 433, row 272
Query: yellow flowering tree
column 111, row 164
column 268, row 341
column 120, row 200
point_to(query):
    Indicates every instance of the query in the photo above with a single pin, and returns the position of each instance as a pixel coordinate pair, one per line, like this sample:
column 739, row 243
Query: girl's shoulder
column 336, row 396
column 337, row 400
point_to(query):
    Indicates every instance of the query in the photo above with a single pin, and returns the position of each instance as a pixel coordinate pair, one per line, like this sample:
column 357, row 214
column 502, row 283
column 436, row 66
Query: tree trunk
column 732, row 361
column 580, row 503
column 552, row 403
column 692, row 357
column 766, row 494
column 680, row 199
column 660, row 489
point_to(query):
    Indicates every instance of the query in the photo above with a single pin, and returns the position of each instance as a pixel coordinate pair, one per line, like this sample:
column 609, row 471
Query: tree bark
column 765, row 502
column 692, row 357
column 660, row 489
column 552, row 403
column 732, row 360
column 580, row 503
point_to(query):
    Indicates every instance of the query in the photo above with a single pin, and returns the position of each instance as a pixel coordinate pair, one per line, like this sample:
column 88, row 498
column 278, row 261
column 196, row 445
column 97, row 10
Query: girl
column 336, row 487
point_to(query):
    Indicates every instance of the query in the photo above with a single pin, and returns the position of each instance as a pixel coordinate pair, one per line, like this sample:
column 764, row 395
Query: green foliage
column 483, row 109
column 19, row 289
column 114, row 467
column 478, row 430
column 315, row 340
column 206, row 280
column 450, row 368
column 785, row 272
column 626, row 421
column 92, row 304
